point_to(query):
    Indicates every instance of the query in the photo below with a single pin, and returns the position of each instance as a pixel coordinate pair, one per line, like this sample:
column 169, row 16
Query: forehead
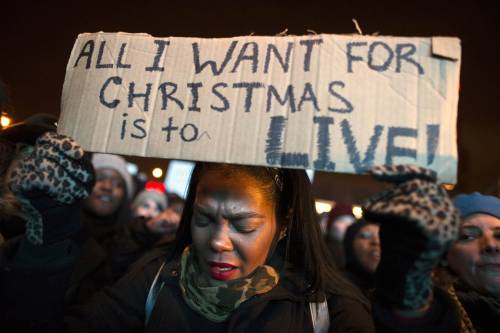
column 236, row 186
column 108, row 173
column 483, row 221
column 370, row 227
column 367, row 229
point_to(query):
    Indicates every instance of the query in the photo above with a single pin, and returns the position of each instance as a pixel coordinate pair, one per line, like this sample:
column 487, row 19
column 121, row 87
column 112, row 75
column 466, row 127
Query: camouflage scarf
column 216, row 300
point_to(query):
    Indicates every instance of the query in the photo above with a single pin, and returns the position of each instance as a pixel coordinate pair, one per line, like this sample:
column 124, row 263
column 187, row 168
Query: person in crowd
column 107, row 206
column 418, row 223
column 249, row 256
column 165, row 224
column 362, row 254
column 107, row 244
column 175, row 202
column 153, row 220
column 339, row 219
column 149, row 203
column 472, row 266
column 13, row 140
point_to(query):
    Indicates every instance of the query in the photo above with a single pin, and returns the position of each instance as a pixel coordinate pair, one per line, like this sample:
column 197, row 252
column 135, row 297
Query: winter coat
column 121, row 308
column 483, row 311
column 35, row 279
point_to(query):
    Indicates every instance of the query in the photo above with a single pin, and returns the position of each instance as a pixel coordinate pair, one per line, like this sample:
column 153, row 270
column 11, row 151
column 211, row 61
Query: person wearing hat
column 108, row 205
column 473, row 263
column 12, row 140
column 62, row 218
column 416, row 290
column 149, row 203
column 418, row 224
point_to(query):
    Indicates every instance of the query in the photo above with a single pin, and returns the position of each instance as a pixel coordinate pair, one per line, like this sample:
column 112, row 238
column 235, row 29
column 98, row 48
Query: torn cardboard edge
column 446, row 47
column 115, row 99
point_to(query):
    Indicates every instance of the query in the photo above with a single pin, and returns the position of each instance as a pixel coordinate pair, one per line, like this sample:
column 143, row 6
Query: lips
column 494, row 268
column 375, row 255
column 221, row 271
column 104, row 198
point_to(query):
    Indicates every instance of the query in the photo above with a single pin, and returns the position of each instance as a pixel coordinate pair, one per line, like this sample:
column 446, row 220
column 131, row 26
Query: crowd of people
column 83, row 250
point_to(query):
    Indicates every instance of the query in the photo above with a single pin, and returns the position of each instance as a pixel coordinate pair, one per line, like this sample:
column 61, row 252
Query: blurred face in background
column 107, row 194
column 148, row 208
column 366, row 247
column 475, row 256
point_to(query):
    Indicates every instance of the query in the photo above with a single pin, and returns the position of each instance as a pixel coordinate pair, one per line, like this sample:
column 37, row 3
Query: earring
column 283, row 233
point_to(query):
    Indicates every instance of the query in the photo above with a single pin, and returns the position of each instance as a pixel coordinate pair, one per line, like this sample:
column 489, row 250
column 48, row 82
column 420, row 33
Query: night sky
column 37, row 37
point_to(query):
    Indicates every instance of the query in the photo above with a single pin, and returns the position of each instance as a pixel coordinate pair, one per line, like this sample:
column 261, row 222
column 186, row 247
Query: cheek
column 118, row 193
column 360, row 248
column 199, row 237
column 254, row 248
column 462, row 258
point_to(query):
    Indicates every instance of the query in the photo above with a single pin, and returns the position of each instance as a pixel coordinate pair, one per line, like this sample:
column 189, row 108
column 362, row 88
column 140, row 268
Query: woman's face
column 148, row 209
column 366, row 247
column 475, row 256
column 233, row 225
column 107, row 193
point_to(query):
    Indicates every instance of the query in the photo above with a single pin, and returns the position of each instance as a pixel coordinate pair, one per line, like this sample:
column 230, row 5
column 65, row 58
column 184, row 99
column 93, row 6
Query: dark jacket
column 68, row 271
column 483, row 311
column 121, row 308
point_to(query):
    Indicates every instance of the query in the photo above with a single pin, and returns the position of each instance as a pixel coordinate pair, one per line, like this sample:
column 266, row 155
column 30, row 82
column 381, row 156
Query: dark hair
column 306, row 250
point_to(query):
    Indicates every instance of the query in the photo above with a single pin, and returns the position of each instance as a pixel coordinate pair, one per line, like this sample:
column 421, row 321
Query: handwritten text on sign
column 328, row 102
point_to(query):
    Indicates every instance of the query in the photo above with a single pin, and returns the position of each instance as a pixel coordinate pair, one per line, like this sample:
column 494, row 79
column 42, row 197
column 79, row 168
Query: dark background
column 36, row 39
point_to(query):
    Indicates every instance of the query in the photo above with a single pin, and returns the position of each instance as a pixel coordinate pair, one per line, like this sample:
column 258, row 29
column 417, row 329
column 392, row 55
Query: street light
column 5, row 120
column 157, row 172
column 357, row 211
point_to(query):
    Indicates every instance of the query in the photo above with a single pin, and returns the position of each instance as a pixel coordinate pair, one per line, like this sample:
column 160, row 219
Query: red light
column 156, row 186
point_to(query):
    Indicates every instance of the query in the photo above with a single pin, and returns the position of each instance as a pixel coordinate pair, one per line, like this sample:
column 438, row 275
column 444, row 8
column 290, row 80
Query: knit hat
column 474, row 203
column 115, row 162
column 156, row 196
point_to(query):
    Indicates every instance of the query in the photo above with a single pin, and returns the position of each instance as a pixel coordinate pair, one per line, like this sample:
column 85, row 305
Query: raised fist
column 54, row 167
column 418, row 223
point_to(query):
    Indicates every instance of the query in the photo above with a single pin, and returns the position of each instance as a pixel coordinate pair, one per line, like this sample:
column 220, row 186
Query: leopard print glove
column 54, row 167
column 418, row 222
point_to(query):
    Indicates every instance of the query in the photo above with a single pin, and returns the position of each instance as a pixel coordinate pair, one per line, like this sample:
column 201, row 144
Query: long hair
column 306, row 250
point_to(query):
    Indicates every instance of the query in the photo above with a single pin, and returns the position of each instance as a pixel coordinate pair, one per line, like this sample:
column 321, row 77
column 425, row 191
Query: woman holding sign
column 249, row 258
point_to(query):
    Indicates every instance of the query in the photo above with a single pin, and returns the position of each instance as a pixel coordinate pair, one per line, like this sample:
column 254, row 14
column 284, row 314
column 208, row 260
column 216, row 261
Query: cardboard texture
column 327, row 102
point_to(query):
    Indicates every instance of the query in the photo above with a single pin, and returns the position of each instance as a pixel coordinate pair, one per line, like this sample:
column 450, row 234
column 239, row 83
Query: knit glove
column 52, row 173
column 418, row 222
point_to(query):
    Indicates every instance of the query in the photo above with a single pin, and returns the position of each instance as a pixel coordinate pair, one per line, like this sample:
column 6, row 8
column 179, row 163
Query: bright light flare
column 5, row 121
column 157, row 172
column 357, row 211
column 323, row 206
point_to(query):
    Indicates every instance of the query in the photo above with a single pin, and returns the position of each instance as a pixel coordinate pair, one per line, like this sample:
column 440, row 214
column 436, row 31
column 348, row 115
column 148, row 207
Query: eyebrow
column 235, row 216
column 475, row 227
column 245, row 215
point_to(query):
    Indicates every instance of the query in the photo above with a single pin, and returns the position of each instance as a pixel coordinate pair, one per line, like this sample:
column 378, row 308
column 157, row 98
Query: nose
column 375, row 240
column 220, row 240
column 106, row 184
column 490, row 244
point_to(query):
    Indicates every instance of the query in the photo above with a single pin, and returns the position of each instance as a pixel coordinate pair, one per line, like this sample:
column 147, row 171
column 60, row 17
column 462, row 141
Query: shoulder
column 154, row 259
column 349, row 315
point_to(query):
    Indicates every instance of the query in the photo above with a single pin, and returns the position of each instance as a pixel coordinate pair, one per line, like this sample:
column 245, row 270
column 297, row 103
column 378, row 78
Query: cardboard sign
column 327, row 102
